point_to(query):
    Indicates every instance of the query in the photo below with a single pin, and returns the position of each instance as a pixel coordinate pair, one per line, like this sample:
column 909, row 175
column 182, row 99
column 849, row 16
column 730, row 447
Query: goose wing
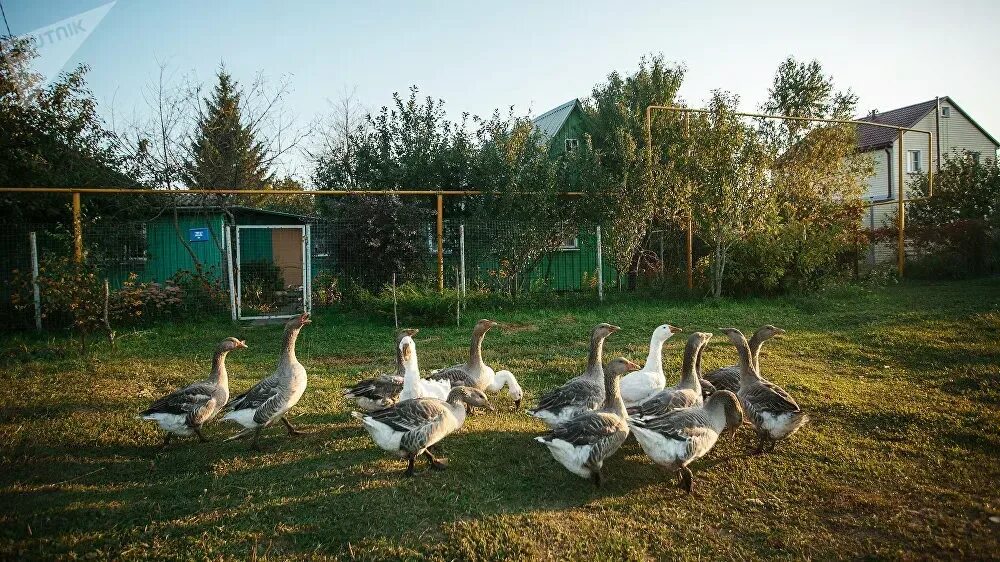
column 257, row 395
column 725, row 378
column 663, row 402
column 377, row 388
column 422, row 420
column 576, row 392
column 769, row 397
column 185, row 400
column 456, row 375
column 586, row 429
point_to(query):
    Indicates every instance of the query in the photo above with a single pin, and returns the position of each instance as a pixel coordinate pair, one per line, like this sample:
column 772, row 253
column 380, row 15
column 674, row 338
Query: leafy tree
column 732, row 198
column 225, row 152
column 52, row 137
column 635, row 191
column 818, row 176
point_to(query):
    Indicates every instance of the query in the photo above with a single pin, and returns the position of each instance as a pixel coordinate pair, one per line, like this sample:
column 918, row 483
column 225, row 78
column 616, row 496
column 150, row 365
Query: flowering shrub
column 137, row 301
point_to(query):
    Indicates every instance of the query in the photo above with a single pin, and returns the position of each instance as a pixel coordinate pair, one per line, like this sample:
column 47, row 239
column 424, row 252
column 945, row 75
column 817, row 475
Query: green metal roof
column 552, row 120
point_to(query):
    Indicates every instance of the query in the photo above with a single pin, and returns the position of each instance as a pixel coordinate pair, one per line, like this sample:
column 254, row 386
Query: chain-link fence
column 256, row 263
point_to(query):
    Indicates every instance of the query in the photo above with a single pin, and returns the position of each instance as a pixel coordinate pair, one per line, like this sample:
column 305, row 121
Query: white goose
column 184, row 411
column 269, row 400
column 411, row 426
column 413, row 385
column 582, row 393
column 686, row 393
column 639, row 386
column 772, row 411
column 476, row 373
column 585, row 441
column 678, row 437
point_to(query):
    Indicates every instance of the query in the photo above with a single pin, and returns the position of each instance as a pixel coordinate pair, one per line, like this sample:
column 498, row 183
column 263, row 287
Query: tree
column 634, row 189
column 225, row 153
column 818, row 175
column 53, row 137
column 732, row 198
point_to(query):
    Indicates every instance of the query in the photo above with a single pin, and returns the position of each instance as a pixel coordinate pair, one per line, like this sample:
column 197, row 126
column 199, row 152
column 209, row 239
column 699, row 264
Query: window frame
column 575, row 146
column 573, row 247
column 945, row 112
column 910, row 168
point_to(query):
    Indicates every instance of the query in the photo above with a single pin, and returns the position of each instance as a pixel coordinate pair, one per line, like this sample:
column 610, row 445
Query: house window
column 571, row 243
column 945, row 111
column 572, row 145
column 974, row 156
column 913, row 161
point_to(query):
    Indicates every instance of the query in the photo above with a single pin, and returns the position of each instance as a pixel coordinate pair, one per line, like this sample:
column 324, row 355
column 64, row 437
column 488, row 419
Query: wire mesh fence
column 260, row 264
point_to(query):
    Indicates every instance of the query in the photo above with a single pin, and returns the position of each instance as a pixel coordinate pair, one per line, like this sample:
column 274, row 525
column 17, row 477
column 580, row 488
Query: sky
column 480, row 56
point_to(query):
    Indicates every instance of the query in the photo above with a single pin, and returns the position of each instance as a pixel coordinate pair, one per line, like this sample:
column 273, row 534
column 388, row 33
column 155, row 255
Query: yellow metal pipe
column 440, row 241
column 77, row 230
column 900, row 212
column 143, row 191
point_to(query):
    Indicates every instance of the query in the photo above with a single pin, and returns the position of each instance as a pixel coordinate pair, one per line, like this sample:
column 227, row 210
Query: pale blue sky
column 478, row 56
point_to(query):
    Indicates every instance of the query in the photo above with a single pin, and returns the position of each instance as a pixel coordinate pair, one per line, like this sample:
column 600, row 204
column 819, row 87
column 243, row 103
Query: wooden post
column 34, row 281
column 600, row 268
column 900, row 212
column 77, row 229
column 440, row 241
column 230, row 271
column 395, row 311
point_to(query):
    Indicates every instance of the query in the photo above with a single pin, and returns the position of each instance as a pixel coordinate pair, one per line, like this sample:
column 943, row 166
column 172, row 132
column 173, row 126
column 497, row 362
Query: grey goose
column 271, row 398
column 582, row 393
column 684, row 394
column 582, row 443
column 772, row 411
column 186, row 410
column 728, row 378
column 476, row 373
column 410, row 427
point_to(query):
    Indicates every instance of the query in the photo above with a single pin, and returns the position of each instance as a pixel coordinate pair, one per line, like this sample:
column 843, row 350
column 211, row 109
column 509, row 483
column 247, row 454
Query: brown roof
column 872, row 138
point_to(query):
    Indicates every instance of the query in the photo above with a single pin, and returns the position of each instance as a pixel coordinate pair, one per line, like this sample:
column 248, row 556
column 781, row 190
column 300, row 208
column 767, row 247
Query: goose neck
column 689, row 376
column 654, row 360
column 594, row 357
column 613, row 402
column 219, row 374
column 476, row 348
column 288, row 346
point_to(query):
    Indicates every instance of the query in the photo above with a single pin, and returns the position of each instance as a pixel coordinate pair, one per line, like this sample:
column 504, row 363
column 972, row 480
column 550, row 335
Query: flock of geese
column 589, row 417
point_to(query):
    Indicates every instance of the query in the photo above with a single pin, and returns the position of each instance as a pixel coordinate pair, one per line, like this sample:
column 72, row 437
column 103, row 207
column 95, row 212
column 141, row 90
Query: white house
column 952, row 132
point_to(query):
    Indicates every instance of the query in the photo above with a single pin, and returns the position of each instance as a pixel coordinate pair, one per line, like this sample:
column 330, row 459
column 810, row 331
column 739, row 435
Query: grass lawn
column 901, row 458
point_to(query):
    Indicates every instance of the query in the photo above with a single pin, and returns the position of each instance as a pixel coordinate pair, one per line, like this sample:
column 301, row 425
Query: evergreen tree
column 225, row 153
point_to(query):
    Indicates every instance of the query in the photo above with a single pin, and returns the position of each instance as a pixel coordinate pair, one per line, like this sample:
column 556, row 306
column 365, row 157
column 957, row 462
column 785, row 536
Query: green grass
column 900, row 459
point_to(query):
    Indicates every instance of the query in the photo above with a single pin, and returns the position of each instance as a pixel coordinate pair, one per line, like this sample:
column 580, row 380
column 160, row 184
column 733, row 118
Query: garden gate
column 273, row 271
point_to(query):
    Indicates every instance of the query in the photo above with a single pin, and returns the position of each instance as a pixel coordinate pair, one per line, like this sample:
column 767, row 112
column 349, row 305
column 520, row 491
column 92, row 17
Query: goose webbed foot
column 201, row 437
column 435, row 463
column 761, row 443
column 409, row 467
column 687, row 480
column 290, row 428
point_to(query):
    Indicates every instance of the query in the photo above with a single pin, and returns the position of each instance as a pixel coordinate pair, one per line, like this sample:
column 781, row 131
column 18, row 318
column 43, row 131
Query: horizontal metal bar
column 143, row 191
column 274, row 226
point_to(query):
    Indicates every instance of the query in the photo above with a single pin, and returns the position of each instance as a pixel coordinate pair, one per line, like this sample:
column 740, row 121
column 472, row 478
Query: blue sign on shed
column 197, row 234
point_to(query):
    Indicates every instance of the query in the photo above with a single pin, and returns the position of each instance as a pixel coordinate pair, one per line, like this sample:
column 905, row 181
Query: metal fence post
column 461, row 257
column 34, row 281
column 77, row 229
column 600, row 268
column 440, row 241
column 900, row 212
